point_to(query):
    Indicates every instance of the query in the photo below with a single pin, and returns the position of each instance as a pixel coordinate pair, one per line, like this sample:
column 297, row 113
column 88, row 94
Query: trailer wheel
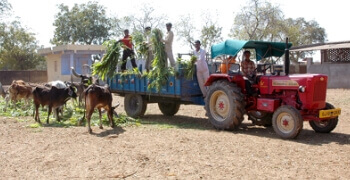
column 224, row 105
column 169, row 109
column 324, row 126
column 134, row 105
column 287, row 122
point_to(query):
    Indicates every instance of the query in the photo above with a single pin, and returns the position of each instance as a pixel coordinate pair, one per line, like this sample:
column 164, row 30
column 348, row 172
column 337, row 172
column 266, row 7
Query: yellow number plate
column 329, row 113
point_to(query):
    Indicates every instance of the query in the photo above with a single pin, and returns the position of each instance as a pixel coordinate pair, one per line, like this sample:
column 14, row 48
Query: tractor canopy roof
column 263, row 49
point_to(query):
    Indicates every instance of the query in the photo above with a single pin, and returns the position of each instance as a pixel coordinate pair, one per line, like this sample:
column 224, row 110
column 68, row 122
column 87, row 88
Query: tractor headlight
column 302, row 89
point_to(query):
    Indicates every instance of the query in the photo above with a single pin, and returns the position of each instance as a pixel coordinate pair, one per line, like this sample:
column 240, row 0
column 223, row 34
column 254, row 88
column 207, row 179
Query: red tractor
column 283, row 101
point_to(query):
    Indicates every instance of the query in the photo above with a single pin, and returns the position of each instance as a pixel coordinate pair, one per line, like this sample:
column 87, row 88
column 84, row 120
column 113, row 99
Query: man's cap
column 197, row 42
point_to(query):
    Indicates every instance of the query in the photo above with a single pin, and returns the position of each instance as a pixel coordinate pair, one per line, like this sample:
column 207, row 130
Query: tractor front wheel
column 325, row 126
column 287, row 122
column 224, row 105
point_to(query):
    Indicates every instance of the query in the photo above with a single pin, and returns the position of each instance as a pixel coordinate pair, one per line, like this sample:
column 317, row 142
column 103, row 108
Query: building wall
column 338, row 74
column 61, row 58
column 55, row 63
column 53, row 73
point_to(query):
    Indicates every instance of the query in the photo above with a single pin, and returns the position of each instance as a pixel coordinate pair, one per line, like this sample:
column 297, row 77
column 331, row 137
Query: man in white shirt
column 149, row 56
column 169, row 44
column 202, row 66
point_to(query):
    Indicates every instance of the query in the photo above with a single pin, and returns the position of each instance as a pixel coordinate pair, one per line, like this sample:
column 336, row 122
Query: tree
column 185, row 30
column 264, row 21
column 210, row 32
column 18, row 48
column 137, row 23
column 148, row 19
column 5, row 7
column 83, row 24
column 302, row 32
column 257, row 21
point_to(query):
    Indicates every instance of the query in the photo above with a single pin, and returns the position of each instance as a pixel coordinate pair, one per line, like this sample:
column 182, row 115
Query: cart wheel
column 169, row 109
column 325, row 126
column 224, row 105
column 134, row 105
column 287, row 122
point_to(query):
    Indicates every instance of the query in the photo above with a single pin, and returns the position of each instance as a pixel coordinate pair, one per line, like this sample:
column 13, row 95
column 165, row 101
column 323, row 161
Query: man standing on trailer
column 149, row 56
column 168, row 41
column 128, row 50
column 202, row 66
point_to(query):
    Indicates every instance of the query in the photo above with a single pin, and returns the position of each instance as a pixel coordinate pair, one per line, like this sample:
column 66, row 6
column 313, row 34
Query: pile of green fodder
column 188, row 67
column 108, row 64
column 141, row 47
column 71, row 115
column 160, row 71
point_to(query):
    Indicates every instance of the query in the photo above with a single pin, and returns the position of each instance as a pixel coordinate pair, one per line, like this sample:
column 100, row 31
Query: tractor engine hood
column 311, row 88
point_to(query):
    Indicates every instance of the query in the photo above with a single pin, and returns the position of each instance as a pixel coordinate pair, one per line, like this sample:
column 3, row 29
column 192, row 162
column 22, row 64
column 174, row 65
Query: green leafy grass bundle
column 189, row 67
column 159, row 74
column 107, row 66
column 71, row 116
column 140, row 45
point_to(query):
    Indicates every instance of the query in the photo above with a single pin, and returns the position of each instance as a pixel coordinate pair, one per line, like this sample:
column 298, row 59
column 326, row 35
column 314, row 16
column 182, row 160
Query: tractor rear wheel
column 287, row 122
column 169, row 108
column 325, row 126
column 224, row 105
column 134, row 105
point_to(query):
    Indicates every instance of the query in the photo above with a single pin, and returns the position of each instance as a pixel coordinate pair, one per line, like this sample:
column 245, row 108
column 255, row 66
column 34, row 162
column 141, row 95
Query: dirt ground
column 185, row 146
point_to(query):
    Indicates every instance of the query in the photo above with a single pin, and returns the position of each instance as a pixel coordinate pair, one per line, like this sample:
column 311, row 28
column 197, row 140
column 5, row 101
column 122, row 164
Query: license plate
column 329, row 113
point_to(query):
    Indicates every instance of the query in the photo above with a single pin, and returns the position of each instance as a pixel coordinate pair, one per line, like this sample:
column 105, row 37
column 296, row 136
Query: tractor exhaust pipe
column 286, row 59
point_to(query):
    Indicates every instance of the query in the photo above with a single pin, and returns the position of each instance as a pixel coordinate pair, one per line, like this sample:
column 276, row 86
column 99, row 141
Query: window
column 65, row 63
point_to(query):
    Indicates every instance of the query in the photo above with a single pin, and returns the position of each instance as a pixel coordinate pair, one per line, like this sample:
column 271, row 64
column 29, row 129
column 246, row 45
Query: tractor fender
column 238, row 79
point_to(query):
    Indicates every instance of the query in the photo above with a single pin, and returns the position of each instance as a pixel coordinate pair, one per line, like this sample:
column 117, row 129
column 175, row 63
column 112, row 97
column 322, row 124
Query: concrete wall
column 6, row 77
column 338, row 74
column 52, row 72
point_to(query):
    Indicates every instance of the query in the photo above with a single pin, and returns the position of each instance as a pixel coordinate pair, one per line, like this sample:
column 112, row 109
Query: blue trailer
column 137, row 94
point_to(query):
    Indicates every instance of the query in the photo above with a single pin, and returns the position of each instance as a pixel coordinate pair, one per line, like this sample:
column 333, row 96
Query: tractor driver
column 247, row 65
column 248, row 70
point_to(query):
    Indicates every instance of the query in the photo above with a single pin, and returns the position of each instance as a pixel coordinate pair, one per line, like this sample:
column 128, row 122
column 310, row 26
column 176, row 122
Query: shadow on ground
column 183, row 122
column 306, row 136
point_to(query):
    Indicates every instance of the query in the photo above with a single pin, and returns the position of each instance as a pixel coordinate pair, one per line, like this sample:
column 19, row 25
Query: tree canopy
column 265, row 21
column 18, row 48
column 185, row 30
column 210, row 33
column 83, row 24
column 5, row 7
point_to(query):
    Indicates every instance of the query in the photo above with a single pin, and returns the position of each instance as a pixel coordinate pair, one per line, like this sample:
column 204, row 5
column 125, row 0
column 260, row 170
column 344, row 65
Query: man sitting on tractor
column 248, row 70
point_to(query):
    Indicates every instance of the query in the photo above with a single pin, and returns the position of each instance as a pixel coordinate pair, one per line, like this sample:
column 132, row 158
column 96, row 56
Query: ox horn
column 75, row 73
column 114, row 112
column 116, row 105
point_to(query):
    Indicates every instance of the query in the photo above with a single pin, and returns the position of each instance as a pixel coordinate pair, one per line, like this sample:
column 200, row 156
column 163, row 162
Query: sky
column 38, row 15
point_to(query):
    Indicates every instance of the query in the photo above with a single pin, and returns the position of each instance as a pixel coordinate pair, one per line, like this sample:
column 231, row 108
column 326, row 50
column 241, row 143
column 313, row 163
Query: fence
column 6, row 77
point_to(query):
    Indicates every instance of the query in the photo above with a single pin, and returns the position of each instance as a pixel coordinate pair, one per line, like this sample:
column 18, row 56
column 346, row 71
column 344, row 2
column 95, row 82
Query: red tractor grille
column 320, row 90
